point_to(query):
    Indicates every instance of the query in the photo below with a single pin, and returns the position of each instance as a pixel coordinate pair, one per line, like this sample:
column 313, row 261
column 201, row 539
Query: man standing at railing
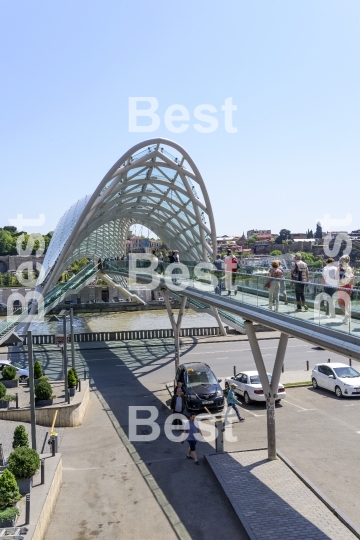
column 300, row 274
column 231, row 266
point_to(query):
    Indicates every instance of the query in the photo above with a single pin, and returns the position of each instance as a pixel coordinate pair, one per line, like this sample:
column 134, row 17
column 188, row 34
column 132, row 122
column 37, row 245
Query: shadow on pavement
column 193, row 491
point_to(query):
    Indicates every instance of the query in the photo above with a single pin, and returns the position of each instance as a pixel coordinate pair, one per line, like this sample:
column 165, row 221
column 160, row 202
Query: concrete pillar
column 270, row 391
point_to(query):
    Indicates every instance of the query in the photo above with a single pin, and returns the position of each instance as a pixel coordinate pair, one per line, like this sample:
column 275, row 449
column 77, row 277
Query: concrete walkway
column 103, row 494
column 271, row 501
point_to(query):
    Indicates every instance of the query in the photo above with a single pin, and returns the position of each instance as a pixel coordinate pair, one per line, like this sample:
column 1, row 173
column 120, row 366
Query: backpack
column 297, row 273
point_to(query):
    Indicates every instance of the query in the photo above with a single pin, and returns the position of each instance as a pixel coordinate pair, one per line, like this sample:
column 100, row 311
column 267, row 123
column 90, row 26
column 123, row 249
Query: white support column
column 270, row 391
column 175, row 324
column 219, row 321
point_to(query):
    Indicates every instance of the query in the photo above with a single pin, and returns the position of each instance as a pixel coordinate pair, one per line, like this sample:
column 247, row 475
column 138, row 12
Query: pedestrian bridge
column 249, row 302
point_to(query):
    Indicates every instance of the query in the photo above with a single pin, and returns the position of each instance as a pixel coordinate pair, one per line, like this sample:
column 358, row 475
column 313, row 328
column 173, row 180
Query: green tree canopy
column 284, row 237
column 318, row 232
column 7, row 243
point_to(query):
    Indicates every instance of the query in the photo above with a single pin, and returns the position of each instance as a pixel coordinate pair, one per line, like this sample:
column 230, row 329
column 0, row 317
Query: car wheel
column 227, row 387
column 315, row 384
column 22, row 378
column 338, row 392
column 247, row 398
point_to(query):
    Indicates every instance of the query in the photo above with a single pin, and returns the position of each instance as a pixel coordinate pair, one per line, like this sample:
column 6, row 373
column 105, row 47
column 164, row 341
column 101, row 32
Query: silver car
column 342, row 379
column 248, row 385
column 21, row 373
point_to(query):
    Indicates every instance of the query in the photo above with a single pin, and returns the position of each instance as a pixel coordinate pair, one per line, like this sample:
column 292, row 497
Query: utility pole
column 32, row 390
column 65, row 359
column 72, row 338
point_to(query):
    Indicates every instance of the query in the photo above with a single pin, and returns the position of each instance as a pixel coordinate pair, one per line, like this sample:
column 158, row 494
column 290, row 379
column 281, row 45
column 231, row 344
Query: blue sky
column 292, row 68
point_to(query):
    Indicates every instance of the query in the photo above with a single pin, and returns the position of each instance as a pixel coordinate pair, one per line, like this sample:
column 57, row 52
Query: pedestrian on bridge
column 275, row 275
column 300, row 275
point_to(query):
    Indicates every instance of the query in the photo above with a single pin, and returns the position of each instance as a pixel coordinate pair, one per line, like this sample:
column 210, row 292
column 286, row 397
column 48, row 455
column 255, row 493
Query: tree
column 11, row 229
column 275, row 253
column 284, row 237
column 21, row 438
column 37, row 370
column 318, row 232
column 7, row 243
column 309, row 233
column 9, row 490
column 252, row 240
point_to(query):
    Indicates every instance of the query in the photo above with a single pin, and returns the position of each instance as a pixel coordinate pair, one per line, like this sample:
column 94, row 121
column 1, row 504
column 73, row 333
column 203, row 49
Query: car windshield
column 203, row 378
column 346, row 372
column 255, row 379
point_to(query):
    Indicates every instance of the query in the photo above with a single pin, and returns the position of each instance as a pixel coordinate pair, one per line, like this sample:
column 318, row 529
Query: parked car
column 249, row 386
column 22, row 373
column 342, row 379
column 200, row 386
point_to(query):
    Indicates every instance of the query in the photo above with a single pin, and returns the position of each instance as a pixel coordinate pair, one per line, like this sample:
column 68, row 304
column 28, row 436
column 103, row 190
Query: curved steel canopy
column 156, row 184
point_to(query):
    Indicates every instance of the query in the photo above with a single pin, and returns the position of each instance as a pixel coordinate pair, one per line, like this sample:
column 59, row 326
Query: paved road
column 220, row 356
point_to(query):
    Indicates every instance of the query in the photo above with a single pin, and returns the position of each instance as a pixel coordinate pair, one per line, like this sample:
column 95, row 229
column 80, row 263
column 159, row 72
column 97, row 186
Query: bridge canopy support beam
column 219, row 321
column 270, row 389
column 175, row 324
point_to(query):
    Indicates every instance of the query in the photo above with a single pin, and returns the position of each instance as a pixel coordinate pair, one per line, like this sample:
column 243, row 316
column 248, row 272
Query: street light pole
column 65, row 359
column 72, row 338
column 32, row 390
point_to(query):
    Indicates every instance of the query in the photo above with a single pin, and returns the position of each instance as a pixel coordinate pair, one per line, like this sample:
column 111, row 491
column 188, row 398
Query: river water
column 123, row 320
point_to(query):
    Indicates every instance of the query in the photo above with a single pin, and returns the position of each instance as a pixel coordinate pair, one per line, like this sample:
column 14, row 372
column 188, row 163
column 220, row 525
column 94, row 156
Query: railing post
column 27, row 510
column 43, row 471
column 307, row 365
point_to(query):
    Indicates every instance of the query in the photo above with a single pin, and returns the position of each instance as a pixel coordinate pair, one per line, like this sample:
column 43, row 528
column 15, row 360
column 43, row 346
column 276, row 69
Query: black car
column 200, row 386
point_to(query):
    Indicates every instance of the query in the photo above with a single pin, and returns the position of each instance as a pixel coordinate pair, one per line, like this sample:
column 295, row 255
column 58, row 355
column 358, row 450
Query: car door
column 322, row 377
column 331, row 378
column 240, row 379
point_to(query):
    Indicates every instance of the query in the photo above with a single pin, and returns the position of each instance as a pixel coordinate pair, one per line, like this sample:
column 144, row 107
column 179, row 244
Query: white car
column 342, row 379
column 248, row 385
column 22, row 373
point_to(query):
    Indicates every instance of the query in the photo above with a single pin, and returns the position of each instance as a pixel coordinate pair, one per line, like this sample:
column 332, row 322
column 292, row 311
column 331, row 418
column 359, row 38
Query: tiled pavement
column 272, row 502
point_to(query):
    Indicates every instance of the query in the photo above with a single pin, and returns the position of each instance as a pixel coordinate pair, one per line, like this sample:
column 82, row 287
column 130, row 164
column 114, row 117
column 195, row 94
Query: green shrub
column 9, row 490
column 75, row 373
column 2, row 391
column 43, row 389
column 21, row 438
column 9, row 397
column 72, row 380
column 23, row 462
column 9, row 513
column 37, row 370
column 9, row 373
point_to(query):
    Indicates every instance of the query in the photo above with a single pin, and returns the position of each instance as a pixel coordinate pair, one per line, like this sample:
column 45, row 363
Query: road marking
column 294, row 405
column 358, row 432
column 224, row 358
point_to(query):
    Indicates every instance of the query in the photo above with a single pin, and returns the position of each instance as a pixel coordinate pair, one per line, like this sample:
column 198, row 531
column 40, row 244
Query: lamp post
column 32, row 391
column 72, row 338
column 65, row 359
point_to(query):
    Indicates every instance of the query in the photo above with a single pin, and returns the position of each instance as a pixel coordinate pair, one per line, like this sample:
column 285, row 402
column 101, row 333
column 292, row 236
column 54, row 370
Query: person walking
column 232, row 403
column 231, row 266
column 345, row 276
column 178, row 405
column 219, row 265
column 328, row 279
column 300, row 275
column 275, row 275
column 191, row 429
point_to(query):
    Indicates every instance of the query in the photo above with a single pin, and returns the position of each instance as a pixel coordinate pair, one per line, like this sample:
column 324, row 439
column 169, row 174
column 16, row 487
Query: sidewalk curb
column 331, row 506
column 296, row 385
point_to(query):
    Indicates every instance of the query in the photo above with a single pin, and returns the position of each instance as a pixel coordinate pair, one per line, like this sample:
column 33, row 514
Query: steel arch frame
column 174, row 209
